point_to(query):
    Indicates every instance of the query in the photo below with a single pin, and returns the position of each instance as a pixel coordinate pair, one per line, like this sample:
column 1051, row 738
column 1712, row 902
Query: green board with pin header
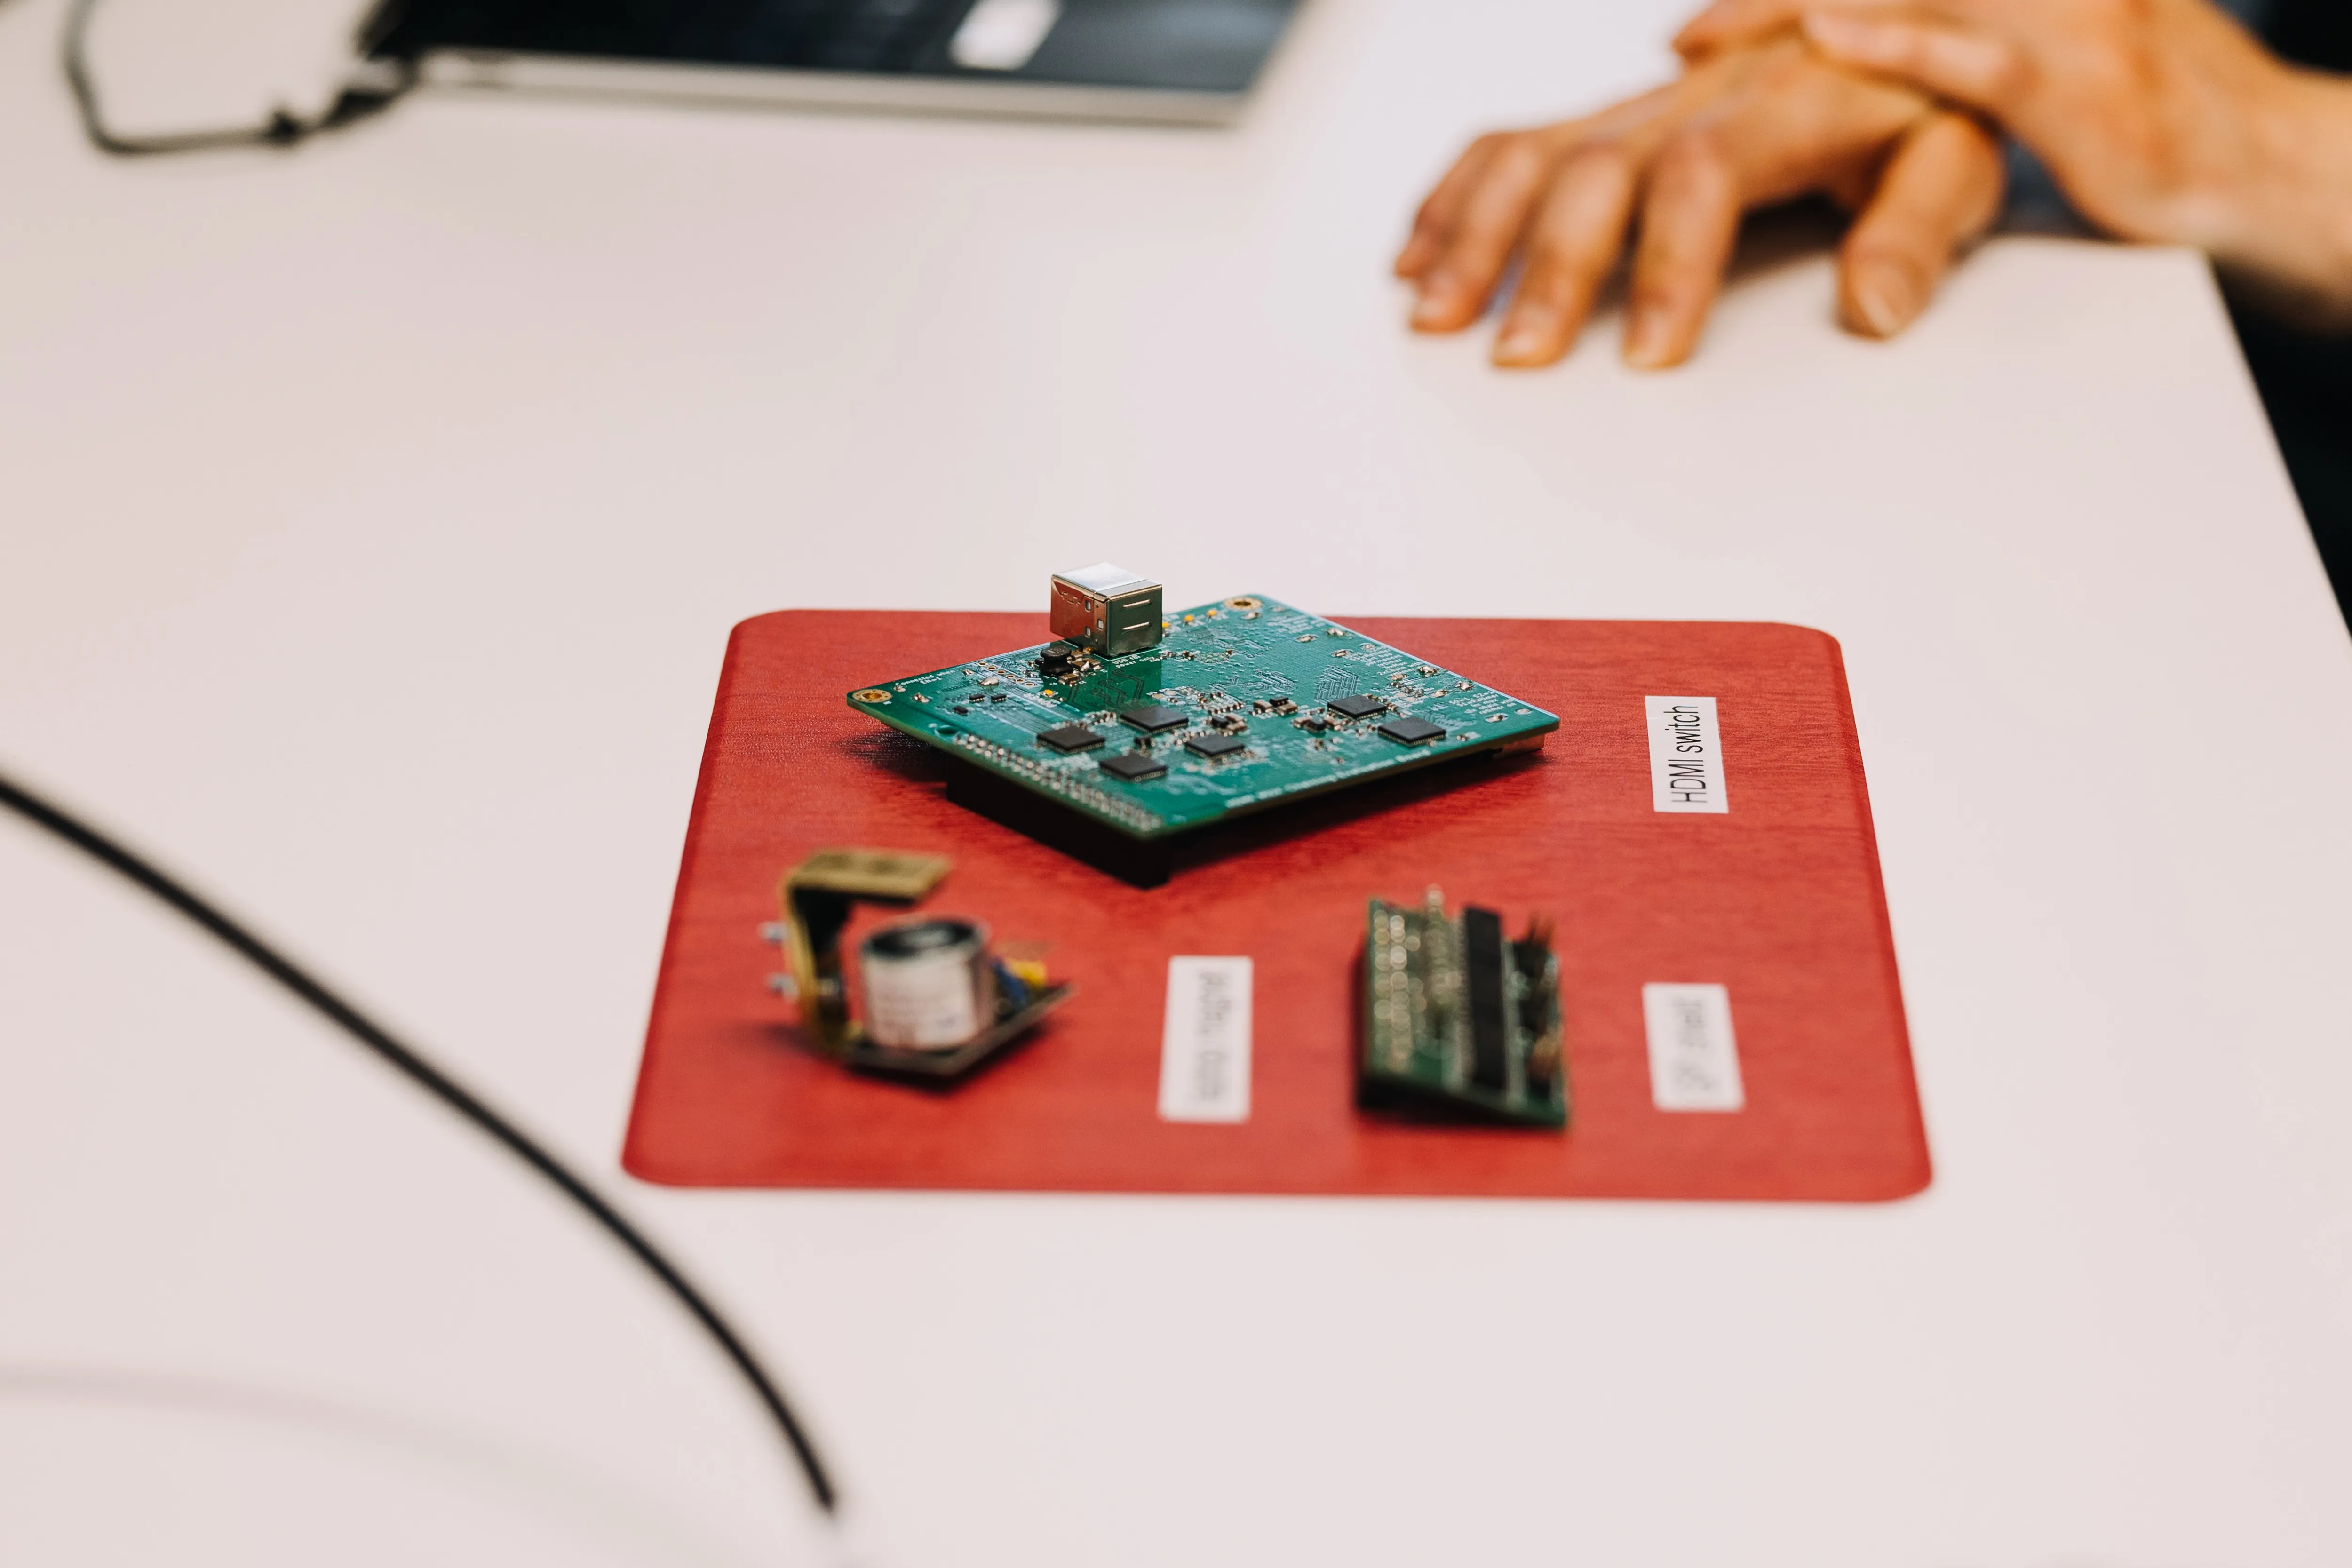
column 1237, row 706
column 1459, row 1020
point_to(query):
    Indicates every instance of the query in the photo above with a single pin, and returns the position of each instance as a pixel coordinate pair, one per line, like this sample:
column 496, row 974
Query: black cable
column 373, row 87
column 262, row 956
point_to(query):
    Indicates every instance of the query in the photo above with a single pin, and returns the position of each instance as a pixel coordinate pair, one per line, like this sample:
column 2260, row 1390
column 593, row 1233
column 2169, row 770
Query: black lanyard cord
column 439, row 1084
column 375, row 86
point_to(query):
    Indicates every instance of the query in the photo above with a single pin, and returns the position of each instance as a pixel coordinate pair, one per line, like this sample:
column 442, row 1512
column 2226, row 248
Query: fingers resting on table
column 1940, row 189
column 1668, row 176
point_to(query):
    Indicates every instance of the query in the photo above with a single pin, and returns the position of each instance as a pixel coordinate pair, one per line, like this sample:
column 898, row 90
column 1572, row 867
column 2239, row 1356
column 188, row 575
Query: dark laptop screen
column 1200, row 46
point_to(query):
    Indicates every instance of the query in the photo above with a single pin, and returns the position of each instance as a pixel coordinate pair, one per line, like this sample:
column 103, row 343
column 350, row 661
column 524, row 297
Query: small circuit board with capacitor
column 1458, row 1019
column 939, row 1001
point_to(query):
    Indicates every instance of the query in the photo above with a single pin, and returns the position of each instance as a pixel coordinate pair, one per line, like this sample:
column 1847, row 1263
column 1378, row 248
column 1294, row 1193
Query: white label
column 1204, row 1056
column 1686, row 755
column 1693, row 1061
column 1002, row 34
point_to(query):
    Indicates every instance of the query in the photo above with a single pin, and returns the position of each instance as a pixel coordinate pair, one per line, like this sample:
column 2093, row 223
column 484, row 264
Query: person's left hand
column 2161, row 119
column 1742, row 129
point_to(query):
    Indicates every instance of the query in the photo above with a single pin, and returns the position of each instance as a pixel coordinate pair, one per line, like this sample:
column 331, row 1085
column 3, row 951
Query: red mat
column 1779, row 900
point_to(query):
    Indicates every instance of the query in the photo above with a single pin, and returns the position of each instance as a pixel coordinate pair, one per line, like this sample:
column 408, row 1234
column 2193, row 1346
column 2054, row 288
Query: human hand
column 1745, row 127
column 2161, row 119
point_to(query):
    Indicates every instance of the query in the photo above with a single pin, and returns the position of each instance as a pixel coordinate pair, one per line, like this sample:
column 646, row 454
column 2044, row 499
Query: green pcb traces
column 1458, row 1020
column 1242, row 705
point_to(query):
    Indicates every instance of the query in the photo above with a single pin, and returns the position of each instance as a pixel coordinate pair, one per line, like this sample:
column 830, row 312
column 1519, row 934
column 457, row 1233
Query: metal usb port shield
column 1107, row 609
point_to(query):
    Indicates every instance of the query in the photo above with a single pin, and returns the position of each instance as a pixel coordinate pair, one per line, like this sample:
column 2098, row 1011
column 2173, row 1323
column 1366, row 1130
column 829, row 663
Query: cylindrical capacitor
column 929, row 985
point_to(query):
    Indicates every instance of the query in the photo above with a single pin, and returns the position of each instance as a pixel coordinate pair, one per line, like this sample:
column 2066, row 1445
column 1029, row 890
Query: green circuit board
column 1459, row 1020
column 1242, row 704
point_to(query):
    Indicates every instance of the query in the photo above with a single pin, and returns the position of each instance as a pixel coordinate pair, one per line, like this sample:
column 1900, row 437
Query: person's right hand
column 2161, row 119
column 1743, row 128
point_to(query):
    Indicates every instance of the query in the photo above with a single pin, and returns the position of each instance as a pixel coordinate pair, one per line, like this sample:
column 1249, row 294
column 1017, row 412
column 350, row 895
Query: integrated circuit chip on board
column 1411, row 730
column 1153, row 717
column 1133, row 766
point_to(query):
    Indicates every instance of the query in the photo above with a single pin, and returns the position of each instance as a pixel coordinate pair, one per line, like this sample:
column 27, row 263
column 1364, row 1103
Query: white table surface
column 371, row 523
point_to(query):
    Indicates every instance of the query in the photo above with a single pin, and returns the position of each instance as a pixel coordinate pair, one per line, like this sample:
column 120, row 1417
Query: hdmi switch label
column 1686, row 755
